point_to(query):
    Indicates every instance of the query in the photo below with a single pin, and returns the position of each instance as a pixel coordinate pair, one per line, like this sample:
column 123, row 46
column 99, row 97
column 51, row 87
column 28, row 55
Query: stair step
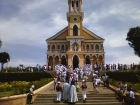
column 95, row 103
column 79, row 101
column 90, row 95
column 81, row 98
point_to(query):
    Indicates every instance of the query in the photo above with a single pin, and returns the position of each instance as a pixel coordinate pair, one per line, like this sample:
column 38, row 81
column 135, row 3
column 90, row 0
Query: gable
column 62, row 36
column 88, row 36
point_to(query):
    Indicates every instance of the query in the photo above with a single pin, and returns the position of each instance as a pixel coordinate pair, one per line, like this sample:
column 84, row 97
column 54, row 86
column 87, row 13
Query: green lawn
column 6, row 94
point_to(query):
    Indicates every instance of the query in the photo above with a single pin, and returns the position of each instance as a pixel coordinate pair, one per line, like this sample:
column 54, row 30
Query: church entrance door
column 87, row 61
column 63, row 62
column 75, row 62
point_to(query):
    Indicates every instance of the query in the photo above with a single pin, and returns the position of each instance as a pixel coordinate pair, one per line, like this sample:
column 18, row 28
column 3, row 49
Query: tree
column 4, row 58
column 133, row 38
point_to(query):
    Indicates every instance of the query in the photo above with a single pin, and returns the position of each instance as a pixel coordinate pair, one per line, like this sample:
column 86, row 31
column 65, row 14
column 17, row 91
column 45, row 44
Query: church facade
column 75, row 45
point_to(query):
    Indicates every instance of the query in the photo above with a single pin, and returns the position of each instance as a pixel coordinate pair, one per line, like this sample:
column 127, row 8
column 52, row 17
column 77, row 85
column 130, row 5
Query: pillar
column 70, row 5
column 74, row 6
column 80, row 6
column 53, row 64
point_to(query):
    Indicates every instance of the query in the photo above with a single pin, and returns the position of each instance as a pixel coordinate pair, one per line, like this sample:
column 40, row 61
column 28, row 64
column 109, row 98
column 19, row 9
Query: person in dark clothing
column 59, row 91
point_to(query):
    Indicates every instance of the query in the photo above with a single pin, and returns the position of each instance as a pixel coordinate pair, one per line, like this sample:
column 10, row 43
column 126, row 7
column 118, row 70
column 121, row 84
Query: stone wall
column 22, row 99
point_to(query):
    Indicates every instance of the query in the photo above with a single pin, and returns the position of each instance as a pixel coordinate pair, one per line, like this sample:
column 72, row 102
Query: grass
column 6, row 94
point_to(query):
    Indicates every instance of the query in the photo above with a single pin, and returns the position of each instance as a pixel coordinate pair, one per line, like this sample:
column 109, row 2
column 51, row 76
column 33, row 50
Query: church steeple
column 75, row 17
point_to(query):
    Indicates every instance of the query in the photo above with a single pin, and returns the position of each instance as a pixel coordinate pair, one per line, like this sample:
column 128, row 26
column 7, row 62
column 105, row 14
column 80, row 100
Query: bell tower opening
column 75, row 5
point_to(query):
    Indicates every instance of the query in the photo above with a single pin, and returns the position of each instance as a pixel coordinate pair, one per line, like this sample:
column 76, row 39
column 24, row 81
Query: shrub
column 21, row 87
column 9, row 77
column 136, row 87
column 5, row 87
column 130, row 76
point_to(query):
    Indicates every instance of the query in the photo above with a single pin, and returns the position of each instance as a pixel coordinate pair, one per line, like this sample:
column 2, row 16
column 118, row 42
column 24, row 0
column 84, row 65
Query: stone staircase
column 92, row 99
column 105, row 97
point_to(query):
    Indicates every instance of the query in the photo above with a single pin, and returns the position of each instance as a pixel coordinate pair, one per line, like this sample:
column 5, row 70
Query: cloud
column 123, row 55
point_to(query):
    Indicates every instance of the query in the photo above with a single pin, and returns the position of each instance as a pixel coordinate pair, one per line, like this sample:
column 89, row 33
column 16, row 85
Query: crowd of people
column 114, row 67
column 71, row 78
column 122, row 91
column 96, row 66
column 68, row 92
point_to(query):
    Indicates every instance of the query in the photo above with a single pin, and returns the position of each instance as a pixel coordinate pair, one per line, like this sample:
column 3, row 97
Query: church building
column 75, row 44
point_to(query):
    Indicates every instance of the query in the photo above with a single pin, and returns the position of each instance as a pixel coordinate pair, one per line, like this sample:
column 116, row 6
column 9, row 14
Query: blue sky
column 26, row 24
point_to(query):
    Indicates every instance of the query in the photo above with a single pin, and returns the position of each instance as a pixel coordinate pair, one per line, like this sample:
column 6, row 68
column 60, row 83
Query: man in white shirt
column 131, row 96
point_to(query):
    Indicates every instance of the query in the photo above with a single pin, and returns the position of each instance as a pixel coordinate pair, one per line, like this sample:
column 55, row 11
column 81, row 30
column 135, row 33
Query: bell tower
column 75, row 18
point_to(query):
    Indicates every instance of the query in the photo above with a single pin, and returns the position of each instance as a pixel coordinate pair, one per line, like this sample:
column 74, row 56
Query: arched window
column 87, row 47
column 53, row 47
column 75, row 30
column 62, row 48
column 97, row 47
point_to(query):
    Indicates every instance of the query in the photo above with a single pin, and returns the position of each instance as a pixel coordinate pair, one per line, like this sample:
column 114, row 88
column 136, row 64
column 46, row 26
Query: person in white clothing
column 131, row 96
column 84, row 87
column 81, row 73
column 95, row 84
column 65, row 91
column 72, row 94
column 98, row 81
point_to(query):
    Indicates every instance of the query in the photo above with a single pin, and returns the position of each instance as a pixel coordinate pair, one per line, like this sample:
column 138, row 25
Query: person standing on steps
column 59, row 90
column 104, row 79
column 65, row 91
column 131, row 96
column 30, row 95
column 84, row 87
column 119, row 89
column 55, row 82
column 95, row 84
column 124, row 87
column 72, row 93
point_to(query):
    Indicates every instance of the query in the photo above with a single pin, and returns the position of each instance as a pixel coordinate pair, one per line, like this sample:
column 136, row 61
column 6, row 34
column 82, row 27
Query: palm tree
column 4, row 58
column 0, row 43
